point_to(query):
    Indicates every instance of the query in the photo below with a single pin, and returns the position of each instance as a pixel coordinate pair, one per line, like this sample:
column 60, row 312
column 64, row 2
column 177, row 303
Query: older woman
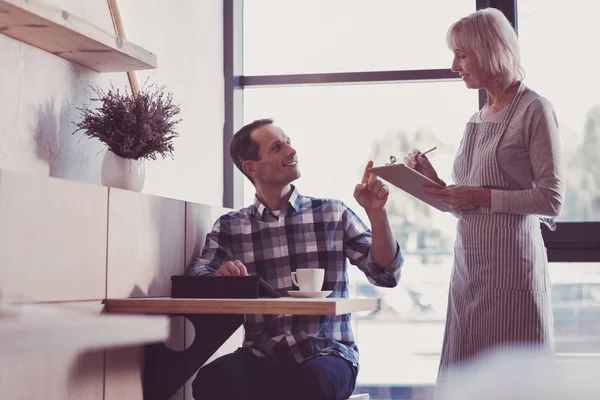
column 507, row 173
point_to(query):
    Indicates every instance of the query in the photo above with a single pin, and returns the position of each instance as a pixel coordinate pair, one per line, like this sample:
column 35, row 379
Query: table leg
column 166, row 370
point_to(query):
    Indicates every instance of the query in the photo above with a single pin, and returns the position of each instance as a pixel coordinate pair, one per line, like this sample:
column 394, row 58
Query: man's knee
column 331, row 378
column 316, row 387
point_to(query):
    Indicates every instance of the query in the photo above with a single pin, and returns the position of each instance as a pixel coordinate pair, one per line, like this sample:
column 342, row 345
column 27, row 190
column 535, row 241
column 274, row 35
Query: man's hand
column 371, row 193
column 232, row 268
column 461, row 197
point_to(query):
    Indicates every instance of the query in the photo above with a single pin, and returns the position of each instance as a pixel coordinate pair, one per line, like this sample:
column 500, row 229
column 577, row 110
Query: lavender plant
column 133, row 128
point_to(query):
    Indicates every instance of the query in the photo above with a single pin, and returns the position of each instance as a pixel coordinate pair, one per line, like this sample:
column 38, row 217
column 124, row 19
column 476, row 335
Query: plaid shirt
column 308, row 233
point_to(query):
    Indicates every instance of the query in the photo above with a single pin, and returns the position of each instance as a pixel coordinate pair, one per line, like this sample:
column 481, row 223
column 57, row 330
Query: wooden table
column 214, row 320
column 283, row 305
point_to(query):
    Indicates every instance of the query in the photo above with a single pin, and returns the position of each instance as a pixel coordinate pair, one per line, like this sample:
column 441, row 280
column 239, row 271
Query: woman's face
column 466, row 65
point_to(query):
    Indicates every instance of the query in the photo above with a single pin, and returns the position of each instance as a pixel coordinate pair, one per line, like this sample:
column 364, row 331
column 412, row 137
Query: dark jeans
column 242, row 376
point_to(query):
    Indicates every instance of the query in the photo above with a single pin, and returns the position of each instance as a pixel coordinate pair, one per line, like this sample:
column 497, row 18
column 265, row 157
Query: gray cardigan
column 529, row 155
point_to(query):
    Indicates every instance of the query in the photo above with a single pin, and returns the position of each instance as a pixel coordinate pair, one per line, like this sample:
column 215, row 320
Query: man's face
column 278, row 165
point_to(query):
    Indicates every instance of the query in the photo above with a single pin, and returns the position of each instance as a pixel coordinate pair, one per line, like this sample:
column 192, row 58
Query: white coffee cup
column 309, row 279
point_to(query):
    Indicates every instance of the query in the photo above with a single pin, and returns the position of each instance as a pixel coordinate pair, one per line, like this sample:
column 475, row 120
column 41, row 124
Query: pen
column 430, row 150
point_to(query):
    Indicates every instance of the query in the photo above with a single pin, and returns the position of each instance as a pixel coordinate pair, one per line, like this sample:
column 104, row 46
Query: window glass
column 557, row 45
column 309, row 36
column 576, row 307
column 335, row 130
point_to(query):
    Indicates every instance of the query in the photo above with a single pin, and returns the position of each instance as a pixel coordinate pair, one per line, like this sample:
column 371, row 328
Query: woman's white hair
column 488, row 34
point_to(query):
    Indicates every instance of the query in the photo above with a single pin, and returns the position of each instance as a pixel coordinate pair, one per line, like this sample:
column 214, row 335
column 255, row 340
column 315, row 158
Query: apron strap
column 513, row 105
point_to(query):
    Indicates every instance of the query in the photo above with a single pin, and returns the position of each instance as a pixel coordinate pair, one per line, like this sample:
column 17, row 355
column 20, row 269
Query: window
column 381, row 92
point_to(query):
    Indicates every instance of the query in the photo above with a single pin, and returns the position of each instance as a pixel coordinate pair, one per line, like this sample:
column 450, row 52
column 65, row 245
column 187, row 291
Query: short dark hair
column 242, row 146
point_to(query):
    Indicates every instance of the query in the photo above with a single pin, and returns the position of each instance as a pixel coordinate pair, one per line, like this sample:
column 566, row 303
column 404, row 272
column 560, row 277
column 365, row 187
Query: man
column 293, row 357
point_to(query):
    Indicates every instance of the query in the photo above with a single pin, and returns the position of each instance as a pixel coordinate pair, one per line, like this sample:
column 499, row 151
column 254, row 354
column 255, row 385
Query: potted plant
column 135, row 129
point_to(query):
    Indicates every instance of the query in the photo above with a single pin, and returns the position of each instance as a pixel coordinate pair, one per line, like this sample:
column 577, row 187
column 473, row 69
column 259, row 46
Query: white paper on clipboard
column 411, row 182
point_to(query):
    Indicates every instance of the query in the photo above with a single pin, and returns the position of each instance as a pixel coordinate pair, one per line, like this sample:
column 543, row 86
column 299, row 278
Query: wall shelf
column 41, row 328
column 70, row 37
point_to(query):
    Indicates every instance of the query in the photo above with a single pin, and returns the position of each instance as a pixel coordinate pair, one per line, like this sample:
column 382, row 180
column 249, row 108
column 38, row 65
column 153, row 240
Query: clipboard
column 411, row 182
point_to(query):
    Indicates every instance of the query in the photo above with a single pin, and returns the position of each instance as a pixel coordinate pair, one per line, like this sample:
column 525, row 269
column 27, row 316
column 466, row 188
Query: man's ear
column 248, row 167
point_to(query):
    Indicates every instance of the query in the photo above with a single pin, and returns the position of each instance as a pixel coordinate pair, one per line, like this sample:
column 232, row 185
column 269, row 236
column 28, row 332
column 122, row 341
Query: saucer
column 309, row 295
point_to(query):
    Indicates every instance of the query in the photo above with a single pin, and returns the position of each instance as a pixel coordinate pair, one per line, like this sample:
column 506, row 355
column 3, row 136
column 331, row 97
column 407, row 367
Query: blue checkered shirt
column 308, row 233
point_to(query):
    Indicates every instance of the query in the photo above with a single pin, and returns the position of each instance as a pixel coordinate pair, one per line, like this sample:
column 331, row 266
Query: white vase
column 123, row 173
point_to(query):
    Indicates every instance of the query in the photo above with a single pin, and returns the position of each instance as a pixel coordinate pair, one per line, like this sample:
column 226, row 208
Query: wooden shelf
column 285, row 305
column 58, row 32
column 43, row 328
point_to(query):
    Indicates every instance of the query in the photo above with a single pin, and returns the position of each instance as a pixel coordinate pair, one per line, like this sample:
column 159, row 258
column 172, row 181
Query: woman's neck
column 498, row 98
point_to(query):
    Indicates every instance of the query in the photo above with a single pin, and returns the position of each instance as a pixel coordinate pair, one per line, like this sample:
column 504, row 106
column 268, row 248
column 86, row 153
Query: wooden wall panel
column 200, row 219
column 54, row 374
column 87, row 242
column 124, row 375
column 146, row 244
column 123, row 378
column 52, row 238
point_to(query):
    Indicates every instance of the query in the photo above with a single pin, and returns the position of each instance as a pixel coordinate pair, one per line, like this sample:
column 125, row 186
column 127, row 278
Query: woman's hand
column 421, row 164
column 461, row 197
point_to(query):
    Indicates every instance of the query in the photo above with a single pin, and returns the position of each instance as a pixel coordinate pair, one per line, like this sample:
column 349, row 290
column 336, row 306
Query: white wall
column 40, row 93
column 187, row 36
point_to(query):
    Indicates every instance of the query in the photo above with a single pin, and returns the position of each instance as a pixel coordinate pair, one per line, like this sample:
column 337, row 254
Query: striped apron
column 498, row 289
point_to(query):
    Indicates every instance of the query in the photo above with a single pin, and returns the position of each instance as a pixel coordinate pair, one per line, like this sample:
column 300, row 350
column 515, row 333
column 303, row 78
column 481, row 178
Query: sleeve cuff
column 394, row 265
column 199, row 270
column 499, row 201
